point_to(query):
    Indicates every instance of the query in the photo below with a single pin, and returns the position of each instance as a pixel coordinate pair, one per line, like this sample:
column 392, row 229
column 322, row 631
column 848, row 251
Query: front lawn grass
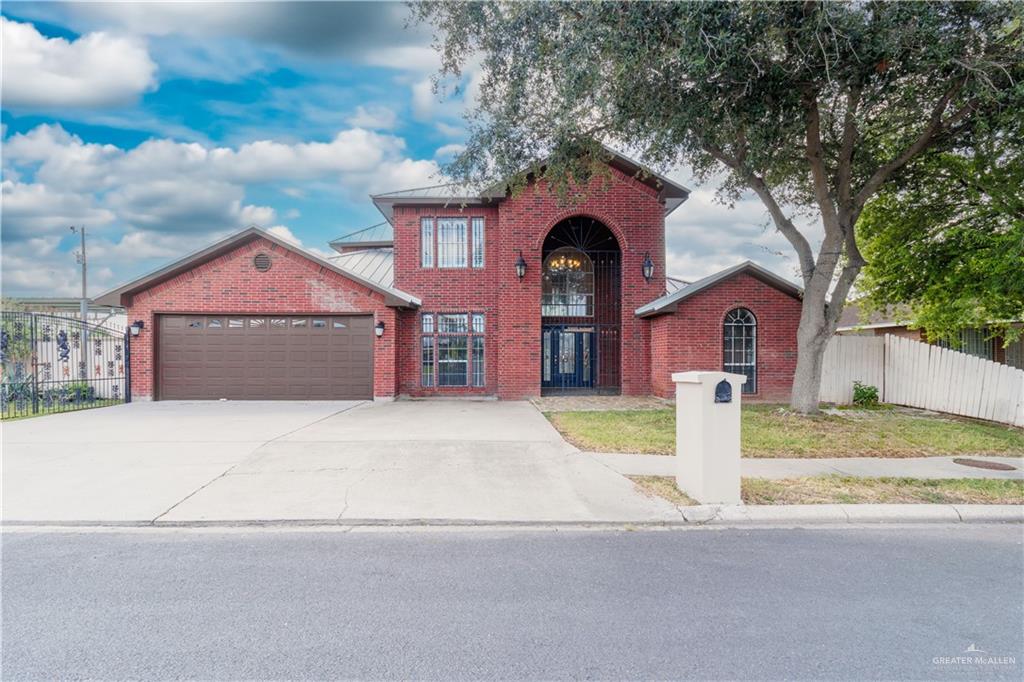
column 852, row 490
column 773, row 431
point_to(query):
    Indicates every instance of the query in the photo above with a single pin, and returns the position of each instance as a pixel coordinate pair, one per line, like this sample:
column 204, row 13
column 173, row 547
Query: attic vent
column 261, row 262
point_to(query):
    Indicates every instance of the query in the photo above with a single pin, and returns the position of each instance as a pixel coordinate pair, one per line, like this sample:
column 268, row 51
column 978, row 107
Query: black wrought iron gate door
column 58, row 364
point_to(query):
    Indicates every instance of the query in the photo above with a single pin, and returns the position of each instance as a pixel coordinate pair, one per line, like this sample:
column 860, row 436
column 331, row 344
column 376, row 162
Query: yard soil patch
column 853, row 490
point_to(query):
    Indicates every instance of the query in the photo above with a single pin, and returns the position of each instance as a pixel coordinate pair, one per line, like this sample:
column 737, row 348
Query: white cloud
column 95, row 70
column 33, row 210
column 284, row 233
column 165, row 198
column 373, row 117
column 449, row 150
column 449, row 130
column 423, row 98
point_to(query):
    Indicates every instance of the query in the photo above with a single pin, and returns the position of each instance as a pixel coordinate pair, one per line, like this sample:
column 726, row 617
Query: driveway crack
column 246, row 459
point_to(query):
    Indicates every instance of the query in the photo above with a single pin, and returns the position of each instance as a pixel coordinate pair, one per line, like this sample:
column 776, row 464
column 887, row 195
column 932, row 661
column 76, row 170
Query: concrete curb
column 701, row 515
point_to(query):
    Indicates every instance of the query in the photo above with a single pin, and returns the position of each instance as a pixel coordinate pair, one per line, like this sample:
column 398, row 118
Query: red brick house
column 461, row 293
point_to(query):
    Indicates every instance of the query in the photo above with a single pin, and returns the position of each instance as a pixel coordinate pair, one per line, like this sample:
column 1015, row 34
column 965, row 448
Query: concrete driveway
column 336, row 462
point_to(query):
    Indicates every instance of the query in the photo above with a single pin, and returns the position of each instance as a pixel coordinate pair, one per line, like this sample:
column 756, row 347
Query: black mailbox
column 723, row 392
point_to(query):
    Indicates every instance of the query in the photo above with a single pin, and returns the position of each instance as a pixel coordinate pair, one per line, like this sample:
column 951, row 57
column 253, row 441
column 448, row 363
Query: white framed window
column 451, row 242
column 452, row 350
column 739, row 346
column 427, row 242
column 478, row 242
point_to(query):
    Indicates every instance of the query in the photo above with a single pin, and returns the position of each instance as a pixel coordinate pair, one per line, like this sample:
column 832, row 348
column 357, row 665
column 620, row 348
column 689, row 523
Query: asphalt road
column 706, row 604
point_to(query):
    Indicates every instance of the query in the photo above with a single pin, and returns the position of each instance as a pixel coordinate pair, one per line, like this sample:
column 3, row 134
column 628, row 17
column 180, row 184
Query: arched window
column 568, row 285
column 739, row 346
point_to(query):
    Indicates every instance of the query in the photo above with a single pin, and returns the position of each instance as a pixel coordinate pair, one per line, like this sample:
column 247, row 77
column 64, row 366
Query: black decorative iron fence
column 56, row 364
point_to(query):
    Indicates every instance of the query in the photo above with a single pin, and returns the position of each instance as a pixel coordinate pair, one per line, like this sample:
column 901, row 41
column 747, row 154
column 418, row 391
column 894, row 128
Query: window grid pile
column 739, row 346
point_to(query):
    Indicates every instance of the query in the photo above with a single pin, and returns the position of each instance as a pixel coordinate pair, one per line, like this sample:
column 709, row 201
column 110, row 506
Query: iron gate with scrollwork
column 56, row 364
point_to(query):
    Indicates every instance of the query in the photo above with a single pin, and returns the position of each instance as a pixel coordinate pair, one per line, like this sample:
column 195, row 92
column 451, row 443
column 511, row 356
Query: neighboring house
column 892, row 320
column 462, row 293
column 108, row 317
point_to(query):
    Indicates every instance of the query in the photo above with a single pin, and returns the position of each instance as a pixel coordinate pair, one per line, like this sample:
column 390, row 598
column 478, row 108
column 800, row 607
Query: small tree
column 947, row 239
column 812, row 105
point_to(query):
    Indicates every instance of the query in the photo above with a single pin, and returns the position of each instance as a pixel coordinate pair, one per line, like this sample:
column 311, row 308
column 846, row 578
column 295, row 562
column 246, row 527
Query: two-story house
column 461, row 293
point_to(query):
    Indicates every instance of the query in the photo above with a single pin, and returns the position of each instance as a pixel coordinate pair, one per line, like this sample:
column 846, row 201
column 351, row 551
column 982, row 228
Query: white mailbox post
column 708, row 435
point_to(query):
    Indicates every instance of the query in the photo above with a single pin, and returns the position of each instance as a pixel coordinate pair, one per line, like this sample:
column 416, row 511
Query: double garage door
column 253, row 357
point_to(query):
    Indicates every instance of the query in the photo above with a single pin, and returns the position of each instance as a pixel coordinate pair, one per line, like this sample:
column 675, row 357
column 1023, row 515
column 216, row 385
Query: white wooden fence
column 916, row 374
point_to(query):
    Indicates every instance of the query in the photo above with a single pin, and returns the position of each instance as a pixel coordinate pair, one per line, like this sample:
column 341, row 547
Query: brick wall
column 230, row 284
column 629, row 208
column 691, row 338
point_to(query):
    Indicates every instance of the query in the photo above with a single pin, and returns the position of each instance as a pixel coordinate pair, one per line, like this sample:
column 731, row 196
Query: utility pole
column 80, row 258
column 83, row 307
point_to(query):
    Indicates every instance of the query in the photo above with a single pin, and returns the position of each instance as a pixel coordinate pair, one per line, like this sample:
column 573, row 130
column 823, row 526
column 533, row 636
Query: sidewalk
column 862, row 467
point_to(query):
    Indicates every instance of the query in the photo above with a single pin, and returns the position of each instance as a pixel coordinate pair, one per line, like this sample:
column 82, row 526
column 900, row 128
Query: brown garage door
column 249, row 357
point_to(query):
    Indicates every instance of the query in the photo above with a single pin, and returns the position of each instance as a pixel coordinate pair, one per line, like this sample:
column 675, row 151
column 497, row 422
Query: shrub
column 865, row 395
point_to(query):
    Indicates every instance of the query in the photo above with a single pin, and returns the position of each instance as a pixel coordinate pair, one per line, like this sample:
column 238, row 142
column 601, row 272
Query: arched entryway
column 581, row 293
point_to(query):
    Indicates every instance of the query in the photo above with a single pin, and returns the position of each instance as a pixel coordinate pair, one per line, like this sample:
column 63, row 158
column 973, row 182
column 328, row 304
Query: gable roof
column 376, row 264
column 381, row 234
column 392, row 297
column 671, row 192
column 668, row 302
column 892, row 316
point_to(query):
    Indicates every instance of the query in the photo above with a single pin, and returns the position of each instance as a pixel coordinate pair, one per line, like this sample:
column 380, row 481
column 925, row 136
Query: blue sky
column 162, row 127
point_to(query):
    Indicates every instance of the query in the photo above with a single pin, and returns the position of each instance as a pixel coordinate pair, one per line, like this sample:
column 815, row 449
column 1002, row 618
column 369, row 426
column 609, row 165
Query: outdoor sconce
column 378, row 329
column 648, row 267
column 137, row 327
column 520, row 265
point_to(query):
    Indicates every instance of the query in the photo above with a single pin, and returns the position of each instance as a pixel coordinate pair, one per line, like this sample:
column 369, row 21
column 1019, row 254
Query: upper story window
column 427, row 242
column 568, row 284
column 478, row 242
column 452, row 242
column 739, row 346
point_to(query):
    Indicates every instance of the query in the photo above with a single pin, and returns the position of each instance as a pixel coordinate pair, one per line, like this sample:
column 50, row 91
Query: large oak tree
column 813, row 106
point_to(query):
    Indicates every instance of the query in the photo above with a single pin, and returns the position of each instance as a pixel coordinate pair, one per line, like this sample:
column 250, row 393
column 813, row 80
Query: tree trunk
column 812, row 338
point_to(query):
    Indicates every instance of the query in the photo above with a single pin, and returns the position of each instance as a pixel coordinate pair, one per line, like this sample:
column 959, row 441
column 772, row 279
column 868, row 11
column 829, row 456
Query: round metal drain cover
column 982, row 464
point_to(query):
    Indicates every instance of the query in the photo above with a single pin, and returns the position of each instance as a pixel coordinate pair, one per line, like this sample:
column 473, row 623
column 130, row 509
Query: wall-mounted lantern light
column 378, row 329
column 520, row 265
column 137, row 327
column 648, row 267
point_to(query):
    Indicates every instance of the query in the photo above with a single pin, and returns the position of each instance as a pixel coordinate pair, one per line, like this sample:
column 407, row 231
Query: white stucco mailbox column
column 708, row 435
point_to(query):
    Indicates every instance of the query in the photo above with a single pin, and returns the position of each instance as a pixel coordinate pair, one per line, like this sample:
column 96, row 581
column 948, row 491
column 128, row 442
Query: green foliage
column 675, row 80
column 864, row 395
column 947, row 239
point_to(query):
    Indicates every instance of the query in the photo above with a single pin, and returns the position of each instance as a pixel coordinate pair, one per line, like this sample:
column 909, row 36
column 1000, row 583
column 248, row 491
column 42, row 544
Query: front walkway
column 599, row 403
column 862, row 467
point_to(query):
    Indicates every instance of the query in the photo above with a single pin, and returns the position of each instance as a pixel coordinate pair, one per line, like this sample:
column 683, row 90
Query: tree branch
column 782, row 223
column 816, row 159
column 935, row 124
column 850, row 135
column 841, row 291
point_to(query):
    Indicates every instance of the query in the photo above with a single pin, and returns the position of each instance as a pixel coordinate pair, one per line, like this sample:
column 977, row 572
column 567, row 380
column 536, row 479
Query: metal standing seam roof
column 672, row 192
column 674, row 284
column 667, row 303
column 376, row 265
column 381, row 234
